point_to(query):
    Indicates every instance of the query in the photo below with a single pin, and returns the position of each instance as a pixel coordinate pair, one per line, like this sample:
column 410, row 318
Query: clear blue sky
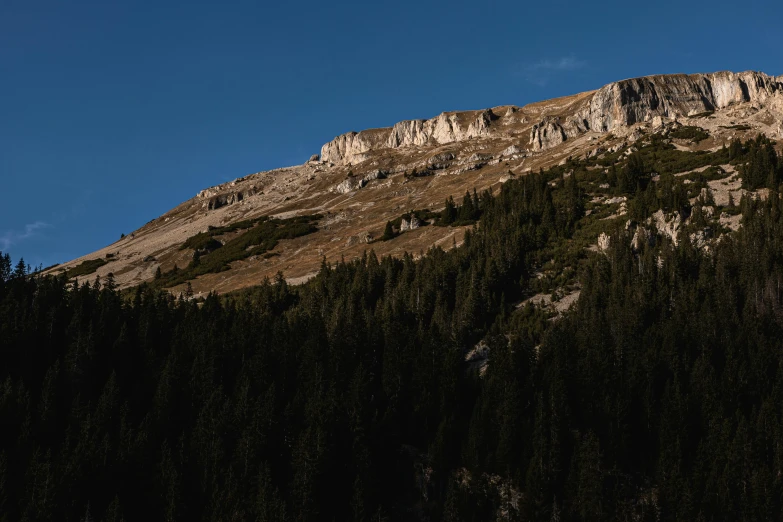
column 111, row 113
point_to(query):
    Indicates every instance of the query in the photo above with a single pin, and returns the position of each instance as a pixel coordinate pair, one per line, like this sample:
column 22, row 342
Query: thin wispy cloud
column 12, row 237
column 542, row 71
column 567, row 63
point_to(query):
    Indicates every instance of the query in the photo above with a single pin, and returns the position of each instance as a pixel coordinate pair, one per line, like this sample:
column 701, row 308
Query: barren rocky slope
column 362, row 180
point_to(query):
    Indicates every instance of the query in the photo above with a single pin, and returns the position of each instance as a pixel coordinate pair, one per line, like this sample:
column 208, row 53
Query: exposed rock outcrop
column 631, row 101
column 215, row 201
column 352, row 182
column 547, row 134
column 373, row 175
column 656, row 99
column 440, row 161
column 348, row 148
column 349, row 184
column 667, row 225
column 513, row 150
column 479, row 157
column 445, row 128
column 604, row 242
column 478, row 357
column 699, row 238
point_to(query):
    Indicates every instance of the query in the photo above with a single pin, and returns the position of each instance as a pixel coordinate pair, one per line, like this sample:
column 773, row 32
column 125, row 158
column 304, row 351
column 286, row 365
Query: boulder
column 477, row 157
column 373, row 175
column 512, row 150
column 440, row 161
column 349, row 185
column 409, row 224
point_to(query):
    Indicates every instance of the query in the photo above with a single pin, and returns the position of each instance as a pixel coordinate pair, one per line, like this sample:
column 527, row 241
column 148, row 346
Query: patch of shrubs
column 203, row 241
column 712, row 173
column 660, row 156
column 689, row 132
column 263, row 235
column 86, row 267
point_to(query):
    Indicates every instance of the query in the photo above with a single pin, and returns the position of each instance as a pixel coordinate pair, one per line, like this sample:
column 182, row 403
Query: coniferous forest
column 658, row 396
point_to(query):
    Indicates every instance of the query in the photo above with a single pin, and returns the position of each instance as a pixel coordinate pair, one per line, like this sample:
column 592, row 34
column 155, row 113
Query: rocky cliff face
column 640, row 99
column 616, row 105
column 624, row 103
column 445, row 128
column 551, row 132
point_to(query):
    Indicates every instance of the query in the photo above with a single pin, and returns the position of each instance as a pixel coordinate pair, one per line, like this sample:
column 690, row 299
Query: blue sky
column 111, row 113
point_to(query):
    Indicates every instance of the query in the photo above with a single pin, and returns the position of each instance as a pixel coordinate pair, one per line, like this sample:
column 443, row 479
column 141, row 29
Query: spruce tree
column 388, row 232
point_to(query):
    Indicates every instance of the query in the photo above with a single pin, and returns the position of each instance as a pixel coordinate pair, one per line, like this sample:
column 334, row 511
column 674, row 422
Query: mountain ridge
column 606, row 105
column 363, row 179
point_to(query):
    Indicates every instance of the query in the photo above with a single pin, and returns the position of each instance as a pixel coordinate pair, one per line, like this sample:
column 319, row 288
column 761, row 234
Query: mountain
column 605, row 344
column 343, row 197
